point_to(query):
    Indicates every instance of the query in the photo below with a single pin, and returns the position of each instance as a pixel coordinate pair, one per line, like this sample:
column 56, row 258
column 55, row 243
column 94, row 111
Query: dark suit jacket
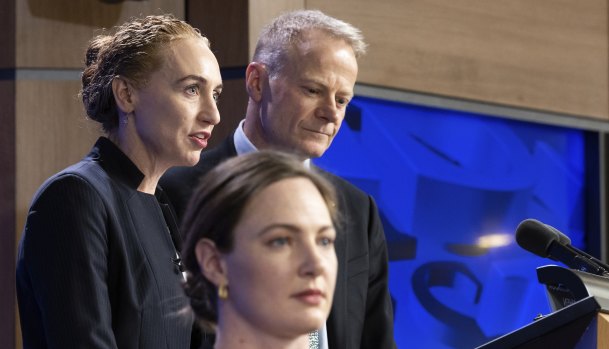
column 95, row 267
column 361, row 315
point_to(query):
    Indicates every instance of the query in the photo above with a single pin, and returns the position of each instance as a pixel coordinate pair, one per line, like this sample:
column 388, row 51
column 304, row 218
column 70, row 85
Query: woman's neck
column 235, row 332
column 232, row 339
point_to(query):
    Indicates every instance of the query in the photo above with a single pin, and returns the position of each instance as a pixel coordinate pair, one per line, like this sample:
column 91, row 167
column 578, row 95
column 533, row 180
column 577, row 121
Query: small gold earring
column 223, row 292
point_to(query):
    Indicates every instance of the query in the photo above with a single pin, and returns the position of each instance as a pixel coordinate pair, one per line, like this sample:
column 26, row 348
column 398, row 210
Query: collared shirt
column 243, row 146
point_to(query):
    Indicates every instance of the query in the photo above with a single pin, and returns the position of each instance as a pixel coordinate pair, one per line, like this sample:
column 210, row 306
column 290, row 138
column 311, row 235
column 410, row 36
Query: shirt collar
column 116, row 163
column 243, row 145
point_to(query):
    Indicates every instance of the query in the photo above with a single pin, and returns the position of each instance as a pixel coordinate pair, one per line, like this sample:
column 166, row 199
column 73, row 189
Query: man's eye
column 311, row 91
column 342, row 101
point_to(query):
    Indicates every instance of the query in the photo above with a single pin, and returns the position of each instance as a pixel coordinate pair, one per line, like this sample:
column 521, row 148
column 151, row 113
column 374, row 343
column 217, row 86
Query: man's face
column 304, row 105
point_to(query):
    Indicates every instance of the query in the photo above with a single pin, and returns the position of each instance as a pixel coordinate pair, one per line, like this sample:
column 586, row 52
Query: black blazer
column 361, row 315
column 95, row 267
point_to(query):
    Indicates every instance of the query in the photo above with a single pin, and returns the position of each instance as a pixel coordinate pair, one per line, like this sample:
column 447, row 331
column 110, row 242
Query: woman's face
column 175, row 111
column 282, row 270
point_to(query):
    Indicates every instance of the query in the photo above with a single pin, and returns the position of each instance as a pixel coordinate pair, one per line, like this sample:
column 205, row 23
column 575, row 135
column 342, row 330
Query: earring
column 125, row 119
column 223, row 292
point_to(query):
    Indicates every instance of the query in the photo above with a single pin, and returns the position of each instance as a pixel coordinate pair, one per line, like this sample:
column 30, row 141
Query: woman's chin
column 191, row 159
column 313, row 322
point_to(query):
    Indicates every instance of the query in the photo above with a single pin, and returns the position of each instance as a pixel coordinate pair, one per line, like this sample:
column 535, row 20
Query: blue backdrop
column 452, row 187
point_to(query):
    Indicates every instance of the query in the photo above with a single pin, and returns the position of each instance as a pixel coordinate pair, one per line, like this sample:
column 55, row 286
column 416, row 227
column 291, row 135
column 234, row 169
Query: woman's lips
column 201, row 139
column 311, row 296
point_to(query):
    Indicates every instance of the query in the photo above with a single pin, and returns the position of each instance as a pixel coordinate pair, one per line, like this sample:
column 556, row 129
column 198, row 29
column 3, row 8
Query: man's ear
column 211, row 262
column 123, row 94
column 256, row 79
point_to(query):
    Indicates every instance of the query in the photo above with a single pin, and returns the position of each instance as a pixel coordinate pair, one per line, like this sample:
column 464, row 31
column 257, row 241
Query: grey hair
column 278, row 37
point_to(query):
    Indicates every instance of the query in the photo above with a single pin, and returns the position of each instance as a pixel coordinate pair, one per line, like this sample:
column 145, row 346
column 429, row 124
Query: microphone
column 562, row 238
column 547, row 242
column 565, row 240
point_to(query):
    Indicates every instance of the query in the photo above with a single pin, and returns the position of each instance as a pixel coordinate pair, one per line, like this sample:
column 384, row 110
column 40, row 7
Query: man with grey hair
column 299, row 83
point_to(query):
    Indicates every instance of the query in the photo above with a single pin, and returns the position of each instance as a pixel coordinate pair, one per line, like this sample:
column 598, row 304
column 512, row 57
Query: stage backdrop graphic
column 451, row 188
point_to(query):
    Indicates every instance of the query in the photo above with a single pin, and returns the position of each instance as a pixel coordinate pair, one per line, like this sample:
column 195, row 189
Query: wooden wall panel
column 225, row 23
column 7, row 175
column 232, row 106
column 261, row 12
column 54, row 34
column 51, row 133
column 602, row 341
column 7, row 213
column 233, row 26
column 548, row 55
column 7, row 35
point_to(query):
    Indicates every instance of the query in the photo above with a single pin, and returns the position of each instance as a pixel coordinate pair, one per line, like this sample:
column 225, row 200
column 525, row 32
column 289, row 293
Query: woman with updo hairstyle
column 99, row 261
column 259, row 252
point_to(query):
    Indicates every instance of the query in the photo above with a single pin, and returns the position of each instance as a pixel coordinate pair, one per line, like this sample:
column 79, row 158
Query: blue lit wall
column 442, row 179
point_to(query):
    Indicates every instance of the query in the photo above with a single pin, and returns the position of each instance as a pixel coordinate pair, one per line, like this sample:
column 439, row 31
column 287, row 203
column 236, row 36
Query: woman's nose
column 209, row 112
column 312, row 263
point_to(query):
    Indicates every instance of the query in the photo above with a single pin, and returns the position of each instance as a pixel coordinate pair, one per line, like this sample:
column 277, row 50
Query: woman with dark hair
column 259, row 253
column 98, row 263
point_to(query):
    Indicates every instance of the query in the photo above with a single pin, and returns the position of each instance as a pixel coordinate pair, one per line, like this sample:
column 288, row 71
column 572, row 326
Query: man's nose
column 329, row 110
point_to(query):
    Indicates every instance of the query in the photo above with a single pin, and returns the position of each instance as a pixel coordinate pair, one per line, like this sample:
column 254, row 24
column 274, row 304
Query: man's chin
column 315, row 149
column 304, row 151
column 311, row 153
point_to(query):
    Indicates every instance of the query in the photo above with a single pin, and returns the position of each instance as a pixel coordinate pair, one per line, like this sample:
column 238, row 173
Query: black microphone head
column 535, row 237
column 562, row 238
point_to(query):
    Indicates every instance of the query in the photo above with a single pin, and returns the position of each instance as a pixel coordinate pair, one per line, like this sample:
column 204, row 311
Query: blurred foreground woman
column 259, row 252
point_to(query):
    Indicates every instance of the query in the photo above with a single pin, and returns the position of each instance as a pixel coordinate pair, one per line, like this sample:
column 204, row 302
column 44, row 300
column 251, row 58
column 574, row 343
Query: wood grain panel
column 262, row 12
column 225, row 23
column 546, row 54
column 602, row 331
column 232, row 106
column 7, row 34
column 233, row 26
column 54, row 34
column 7, row 213
column 51, row 133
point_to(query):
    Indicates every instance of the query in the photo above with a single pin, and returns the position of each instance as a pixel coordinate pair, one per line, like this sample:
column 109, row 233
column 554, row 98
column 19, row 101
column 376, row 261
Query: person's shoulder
column 84, row 171
column 79, row 180
column 344, row 187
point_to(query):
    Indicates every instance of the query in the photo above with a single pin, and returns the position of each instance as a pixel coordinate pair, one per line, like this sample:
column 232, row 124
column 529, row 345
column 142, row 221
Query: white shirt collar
column 243, row 145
